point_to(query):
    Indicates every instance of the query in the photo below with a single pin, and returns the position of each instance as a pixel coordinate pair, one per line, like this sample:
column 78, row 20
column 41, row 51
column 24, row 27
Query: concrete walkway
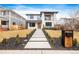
column 38, row 40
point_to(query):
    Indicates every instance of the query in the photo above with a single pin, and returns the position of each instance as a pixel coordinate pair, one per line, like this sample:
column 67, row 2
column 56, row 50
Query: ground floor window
column 48, row 24
column 32, row 24
column 4, row 22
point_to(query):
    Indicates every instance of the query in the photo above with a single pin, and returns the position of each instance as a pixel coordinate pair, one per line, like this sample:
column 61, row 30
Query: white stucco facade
column 42, row 16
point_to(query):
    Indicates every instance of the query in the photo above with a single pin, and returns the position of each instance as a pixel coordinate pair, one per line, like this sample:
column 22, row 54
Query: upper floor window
column 47, row 17
column 4, row 13
column 38, row 17
column 31, row 16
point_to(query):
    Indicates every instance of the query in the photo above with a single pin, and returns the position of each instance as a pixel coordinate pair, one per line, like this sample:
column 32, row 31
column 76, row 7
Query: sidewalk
column 39, row 51
column 38, row 40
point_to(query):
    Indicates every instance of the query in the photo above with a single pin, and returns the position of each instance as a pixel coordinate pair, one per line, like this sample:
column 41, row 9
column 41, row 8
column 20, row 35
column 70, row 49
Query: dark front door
column 39, row 25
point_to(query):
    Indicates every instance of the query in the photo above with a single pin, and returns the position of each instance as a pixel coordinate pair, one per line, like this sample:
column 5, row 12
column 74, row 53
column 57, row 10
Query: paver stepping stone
column 37, row 45
column 38, row 40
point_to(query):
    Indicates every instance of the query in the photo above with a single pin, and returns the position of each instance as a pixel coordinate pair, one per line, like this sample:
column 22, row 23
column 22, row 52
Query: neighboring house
column 9, row 17
column 45, row 19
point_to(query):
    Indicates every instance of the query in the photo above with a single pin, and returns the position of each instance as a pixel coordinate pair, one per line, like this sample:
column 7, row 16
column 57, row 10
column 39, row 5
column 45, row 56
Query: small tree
column 73, row 22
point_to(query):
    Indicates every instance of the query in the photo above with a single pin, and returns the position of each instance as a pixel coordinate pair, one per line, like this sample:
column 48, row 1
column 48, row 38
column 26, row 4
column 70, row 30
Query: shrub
column 27, row 36
column 4, row 41
column 52, row 42
column 75, row 42
column 17, row 39
column 60, row 40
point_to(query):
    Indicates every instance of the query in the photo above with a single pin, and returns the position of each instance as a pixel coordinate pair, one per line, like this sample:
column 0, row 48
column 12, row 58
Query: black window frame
column 4, row 22
column 32, row 24
column 49, row 24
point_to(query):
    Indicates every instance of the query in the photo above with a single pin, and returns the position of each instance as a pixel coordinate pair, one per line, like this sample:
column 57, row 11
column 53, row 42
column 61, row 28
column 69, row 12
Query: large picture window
column 48, row 24
column 32, row 24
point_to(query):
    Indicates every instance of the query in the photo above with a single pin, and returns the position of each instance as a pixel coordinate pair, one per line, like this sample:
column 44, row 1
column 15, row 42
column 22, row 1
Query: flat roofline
column 32, row 14
column 44, row 12
column 49, row 11
column 33, row 21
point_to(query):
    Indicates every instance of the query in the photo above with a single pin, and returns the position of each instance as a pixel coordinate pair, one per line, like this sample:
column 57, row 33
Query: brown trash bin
column 67, row 38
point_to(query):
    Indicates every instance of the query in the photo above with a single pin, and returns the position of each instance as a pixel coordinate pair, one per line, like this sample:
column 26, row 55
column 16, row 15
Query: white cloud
column 22, row 10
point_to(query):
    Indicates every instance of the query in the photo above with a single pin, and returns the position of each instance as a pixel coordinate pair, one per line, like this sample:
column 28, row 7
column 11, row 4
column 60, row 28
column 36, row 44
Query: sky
column 64, row 10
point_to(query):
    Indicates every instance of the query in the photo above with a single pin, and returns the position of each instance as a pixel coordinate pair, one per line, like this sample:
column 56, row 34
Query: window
column 31, row 16
column 3, row 22
column 4, row 13
column 32, row 24
column 48, row 24
column 38, row 17
column 47, row 17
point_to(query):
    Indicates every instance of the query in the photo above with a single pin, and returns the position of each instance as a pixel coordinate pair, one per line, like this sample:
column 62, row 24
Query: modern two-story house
column 45, row 19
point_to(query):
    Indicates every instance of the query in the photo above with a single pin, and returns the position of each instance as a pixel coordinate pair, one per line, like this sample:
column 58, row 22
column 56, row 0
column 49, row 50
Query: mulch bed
column 11, row 44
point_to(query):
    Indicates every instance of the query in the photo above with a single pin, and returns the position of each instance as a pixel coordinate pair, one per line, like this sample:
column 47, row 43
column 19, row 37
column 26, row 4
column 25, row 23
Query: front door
column 39, row 25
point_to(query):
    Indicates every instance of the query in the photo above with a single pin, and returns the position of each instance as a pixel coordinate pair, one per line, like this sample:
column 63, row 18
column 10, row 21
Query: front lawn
column 56, row 36
column 53, row 37
column 54, row 33
column 9, row 39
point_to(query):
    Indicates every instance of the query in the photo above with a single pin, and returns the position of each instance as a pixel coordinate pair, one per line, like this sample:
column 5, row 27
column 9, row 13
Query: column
column 9, row 19
column 42, row 18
